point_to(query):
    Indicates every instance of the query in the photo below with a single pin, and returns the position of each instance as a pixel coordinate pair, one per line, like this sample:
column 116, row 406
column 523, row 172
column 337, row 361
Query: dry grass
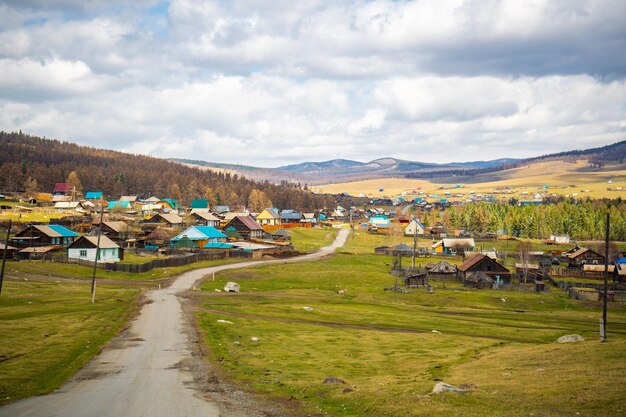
column 530, row 178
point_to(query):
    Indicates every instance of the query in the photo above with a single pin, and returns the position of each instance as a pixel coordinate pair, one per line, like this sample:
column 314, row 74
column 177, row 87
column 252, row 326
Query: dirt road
column 147, row 370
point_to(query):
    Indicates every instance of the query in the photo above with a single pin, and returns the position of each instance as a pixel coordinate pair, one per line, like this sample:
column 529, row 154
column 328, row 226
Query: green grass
column 311, row 239
column 50, row 330
column 67, row 270
column 382, row 344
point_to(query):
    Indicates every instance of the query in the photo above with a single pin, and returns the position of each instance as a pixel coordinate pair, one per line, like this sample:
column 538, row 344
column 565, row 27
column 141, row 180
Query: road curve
column 146, row 370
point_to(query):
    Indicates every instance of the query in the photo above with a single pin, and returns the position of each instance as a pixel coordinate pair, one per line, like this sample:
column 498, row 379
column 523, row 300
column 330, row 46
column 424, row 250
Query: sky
column 275, row 82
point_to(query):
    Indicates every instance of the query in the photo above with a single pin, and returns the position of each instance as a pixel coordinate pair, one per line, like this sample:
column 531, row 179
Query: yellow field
column 563, row 178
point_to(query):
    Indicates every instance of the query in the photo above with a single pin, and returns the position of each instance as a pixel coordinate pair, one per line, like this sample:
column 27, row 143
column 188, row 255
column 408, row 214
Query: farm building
column 117, row 231
column 85, row 248
column 290, row 217
column 158, row 238
column 584, row 256
column 450, row 246
column 483, row 263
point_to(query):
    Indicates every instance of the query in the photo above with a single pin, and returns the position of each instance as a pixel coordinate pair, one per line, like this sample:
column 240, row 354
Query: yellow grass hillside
column 563, row 178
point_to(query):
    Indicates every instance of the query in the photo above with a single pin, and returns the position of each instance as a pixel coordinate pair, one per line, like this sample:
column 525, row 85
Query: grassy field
column 564, row 178
column 50, row 330
column 311, row 239
column 391, row 348
column 66, row 270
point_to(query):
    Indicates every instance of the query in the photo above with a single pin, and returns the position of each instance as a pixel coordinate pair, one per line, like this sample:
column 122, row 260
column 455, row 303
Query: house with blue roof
column 119, row 205
column 93, row 195
column 44, row 235
column 381, row 222
column 203, row 236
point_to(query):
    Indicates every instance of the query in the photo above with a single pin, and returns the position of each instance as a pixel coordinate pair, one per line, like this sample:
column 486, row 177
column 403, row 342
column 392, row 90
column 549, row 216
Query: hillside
column 33, row 164
column 568, row 178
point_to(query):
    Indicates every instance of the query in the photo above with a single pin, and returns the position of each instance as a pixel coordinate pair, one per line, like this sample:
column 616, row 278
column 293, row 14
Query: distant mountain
column 317, row 166
column 344, row 170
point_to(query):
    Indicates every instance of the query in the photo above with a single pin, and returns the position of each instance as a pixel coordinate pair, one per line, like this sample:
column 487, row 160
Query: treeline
column 31, row 164
column 577, row 219
column 598, row 157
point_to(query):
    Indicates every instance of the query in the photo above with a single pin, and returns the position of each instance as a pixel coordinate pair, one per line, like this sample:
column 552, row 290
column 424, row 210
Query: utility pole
column 4, row 255
column 95, row 262
column 414, row 245
column 603, row 337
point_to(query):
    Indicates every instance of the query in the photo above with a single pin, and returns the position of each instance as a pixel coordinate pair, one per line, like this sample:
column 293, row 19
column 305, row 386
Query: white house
column 414, row 227
column 84, row 248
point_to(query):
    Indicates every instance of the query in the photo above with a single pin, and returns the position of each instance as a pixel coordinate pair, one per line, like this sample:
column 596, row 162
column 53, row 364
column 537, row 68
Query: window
column 83, row 253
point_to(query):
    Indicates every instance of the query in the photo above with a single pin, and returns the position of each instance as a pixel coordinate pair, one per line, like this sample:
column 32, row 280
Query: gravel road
column 148, row 370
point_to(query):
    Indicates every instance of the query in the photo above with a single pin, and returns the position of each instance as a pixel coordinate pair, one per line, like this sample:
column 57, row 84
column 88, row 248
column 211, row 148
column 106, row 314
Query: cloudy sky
column 271, row 82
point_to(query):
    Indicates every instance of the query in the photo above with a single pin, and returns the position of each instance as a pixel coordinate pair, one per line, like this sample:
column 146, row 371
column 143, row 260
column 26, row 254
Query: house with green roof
column 200, row 235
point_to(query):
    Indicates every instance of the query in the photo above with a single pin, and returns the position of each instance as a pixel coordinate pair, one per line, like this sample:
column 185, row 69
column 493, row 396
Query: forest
column 579, row 219
column 33, row 164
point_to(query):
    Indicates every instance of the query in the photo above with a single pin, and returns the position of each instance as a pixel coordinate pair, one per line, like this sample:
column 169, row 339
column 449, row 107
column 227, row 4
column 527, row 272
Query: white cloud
column 273, row 82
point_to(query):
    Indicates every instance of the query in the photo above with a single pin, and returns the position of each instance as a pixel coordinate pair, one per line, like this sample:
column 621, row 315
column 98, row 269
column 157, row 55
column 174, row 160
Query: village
column 80, row 230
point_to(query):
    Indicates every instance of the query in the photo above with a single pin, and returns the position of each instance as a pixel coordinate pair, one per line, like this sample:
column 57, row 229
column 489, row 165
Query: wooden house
column 62, row 188
column 246, row 227
column 290, row 217
column 205, row 219
column 268, row 217
column 202, row 236
column 165, row 219
column 169, row 205
column 40, row 235
column 85, row 249
column 117, row 231
column 200, row 206
column 490, row 267
column 584, row 256
column 443, row 270
column 414, row 227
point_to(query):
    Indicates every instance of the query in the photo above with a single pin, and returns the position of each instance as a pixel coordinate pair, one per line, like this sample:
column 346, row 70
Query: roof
column 117, row 226
column 207, row 216
column 169, row 217
column 173, row 203
column 221, row 209
column 414, row 220
column 152, row 199
column 160, row 234
column 200, row 233
column 55, row 230
column 290, row 215
column 581, row 251
column 230, row 232
column 105, row 242
column 66, row 205
column 131, row 198
column 39, row 249
column 269, row 213
column 58, row 198
column 472, row 261
column 478, row 276
column 62, row 187
column 93, row 195
column 458, row 243
column 282, row 232
column 200, row 204
column 247, row 221
column 115, row 204
column 150, row 207
column 218, row 245
column 443, row 267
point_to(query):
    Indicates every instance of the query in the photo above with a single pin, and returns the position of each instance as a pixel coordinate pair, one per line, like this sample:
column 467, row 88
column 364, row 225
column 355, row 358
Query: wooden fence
column 157, row 263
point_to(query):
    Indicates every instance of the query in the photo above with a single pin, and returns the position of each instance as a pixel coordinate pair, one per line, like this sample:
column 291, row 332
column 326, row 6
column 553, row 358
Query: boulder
column 333, row 380
column 232, row 287
column 570, row 338
column 442, row 387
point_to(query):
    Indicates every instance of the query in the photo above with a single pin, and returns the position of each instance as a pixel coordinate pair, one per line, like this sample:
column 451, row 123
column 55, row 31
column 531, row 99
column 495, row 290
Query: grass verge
column 48, row 331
